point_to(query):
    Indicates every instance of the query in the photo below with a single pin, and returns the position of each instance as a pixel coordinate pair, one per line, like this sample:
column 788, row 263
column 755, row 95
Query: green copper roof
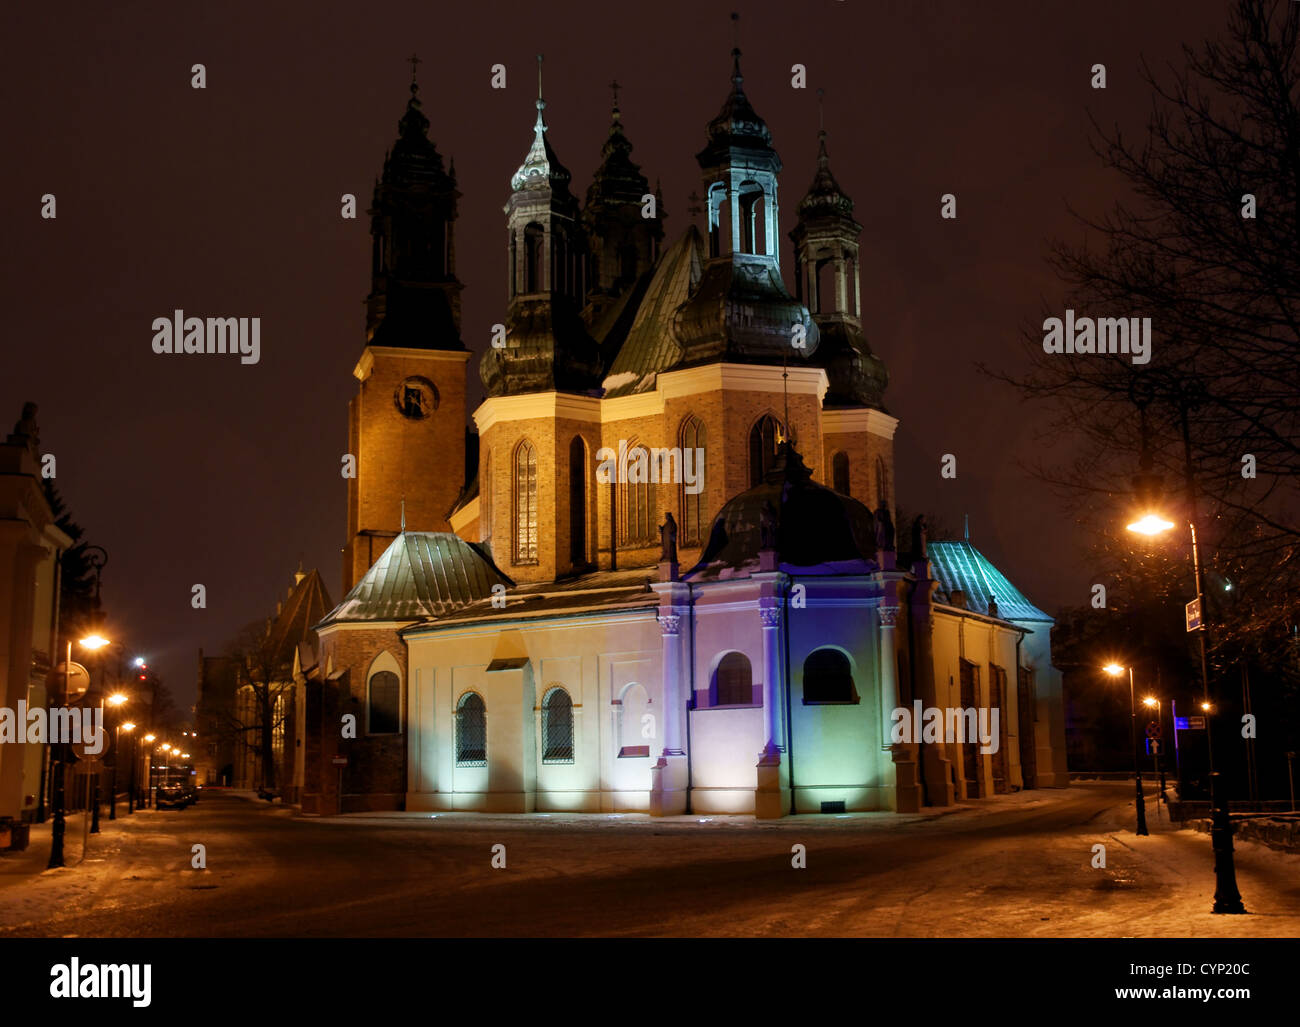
column 961, row 565
column 421, row 575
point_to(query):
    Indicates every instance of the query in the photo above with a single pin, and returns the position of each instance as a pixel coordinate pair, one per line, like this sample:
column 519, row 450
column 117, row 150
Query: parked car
column 171, row 796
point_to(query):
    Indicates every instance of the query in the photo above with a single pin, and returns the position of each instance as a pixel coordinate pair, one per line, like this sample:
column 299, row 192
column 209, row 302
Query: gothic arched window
column 719, row 222
column 525, row 503
column 840, row 473
column 763, row 440
column 383, row 705
column 471, row 731
column 691, row 439
column 828, row 678
column 557, row 727
column 638, row 522
column 577, row 502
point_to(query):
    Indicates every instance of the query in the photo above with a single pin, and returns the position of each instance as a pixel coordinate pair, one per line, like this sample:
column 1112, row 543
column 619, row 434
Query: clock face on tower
column 416, row 397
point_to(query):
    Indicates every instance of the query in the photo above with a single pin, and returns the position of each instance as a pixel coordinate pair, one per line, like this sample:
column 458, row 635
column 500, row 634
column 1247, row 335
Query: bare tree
column 1209, row 249
column 266, row 670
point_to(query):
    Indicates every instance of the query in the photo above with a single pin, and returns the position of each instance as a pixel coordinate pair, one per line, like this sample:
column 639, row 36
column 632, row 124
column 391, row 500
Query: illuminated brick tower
column 406, row 425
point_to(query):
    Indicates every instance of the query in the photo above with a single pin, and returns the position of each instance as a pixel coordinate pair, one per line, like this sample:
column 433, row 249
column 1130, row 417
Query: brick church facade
column 565, row 609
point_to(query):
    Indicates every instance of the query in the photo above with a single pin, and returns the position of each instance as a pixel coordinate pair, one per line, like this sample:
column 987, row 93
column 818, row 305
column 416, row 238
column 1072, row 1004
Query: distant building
column 30, row 546
column 229, row 713
column 584, row 623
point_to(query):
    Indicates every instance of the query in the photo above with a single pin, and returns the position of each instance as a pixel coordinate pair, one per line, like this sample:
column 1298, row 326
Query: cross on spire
column 539, row 76
column 694, row 206
column 614, row 86
column 415, row 60
column 821, row 111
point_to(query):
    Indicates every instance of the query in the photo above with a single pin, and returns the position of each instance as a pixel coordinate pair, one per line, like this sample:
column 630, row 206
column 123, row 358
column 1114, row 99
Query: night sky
column 225, row 202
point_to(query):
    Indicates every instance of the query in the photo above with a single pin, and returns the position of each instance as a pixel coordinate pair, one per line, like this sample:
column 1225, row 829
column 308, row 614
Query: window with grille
column 733, row 681
column 764, row 437
column 691, row 440
column 384, row 703
column 471, row 731
column 840, row 473
column 557, row 727
column 828, row 678
column 525, row 511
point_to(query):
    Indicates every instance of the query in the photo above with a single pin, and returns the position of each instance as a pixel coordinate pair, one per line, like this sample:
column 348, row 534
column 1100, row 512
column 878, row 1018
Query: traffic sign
column 1154, row 730
column 1153, row 746
column 1180, row 723
column 77, row 678
column 1194, row 614
column 339, row 761
column 87, row 767
column 1196, row 723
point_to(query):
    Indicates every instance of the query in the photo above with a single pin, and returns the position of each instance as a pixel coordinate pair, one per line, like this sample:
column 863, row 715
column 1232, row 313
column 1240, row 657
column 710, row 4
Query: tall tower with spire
column 406, row 431
column 547, row 347
column 857, row 430
column 623, row 243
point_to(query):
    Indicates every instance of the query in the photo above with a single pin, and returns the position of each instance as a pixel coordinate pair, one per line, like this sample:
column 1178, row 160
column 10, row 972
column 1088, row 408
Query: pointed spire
column 540, row 166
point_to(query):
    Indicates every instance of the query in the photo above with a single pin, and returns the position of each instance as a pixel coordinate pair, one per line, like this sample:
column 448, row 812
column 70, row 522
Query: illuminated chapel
column 563, row 609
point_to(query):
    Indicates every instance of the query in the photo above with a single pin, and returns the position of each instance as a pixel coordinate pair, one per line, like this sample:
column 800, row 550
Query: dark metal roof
column 961, row 565
column 422, row 574
column 650, row 346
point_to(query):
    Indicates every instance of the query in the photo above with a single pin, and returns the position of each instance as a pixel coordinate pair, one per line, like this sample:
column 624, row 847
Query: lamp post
column 1157, row 764
column 128, row 727
column 1115, row 670
column 1227, row 899
column 147, row 757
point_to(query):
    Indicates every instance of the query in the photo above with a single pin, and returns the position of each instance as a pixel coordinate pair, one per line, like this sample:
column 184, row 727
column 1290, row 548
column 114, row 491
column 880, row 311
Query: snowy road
column 1012, row 866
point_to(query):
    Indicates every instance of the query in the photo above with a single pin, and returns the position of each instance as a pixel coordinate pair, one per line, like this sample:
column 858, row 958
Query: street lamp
column 59, row 828
column 1115, row 670
column 1227, row 899
column 128, row 727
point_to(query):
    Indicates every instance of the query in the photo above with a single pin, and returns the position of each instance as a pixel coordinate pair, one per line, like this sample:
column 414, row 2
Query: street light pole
column 60, row 821
column 1137, row 765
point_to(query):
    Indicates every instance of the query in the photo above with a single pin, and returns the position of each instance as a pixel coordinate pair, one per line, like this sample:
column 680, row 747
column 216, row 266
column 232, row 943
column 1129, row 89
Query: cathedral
column 660, row 573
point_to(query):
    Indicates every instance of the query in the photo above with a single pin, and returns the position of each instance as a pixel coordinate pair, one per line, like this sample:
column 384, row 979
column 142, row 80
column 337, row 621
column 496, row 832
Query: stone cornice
column 362, row 371
column 855, row 419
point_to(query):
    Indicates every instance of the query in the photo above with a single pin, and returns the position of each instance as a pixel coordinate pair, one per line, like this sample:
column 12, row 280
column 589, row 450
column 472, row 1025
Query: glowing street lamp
column 1115, row 670
column 1150, row 524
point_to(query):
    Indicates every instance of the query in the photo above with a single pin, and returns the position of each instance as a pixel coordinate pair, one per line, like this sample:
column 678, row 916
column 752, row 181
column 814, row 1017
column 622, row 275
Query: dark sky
column 225, row 202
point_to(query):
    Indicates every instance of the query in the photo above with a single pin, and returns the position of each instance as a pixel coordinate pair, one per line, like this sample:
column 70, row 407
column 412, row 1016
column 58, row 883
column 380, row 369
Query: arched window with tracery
column 637, row 520
column 525, row 503
column 692, row 439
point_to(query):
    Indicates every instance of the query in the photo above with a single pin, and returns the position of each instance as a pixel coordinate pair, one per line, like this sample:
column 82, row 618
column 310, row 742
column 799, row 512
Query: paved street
column 1015, row 866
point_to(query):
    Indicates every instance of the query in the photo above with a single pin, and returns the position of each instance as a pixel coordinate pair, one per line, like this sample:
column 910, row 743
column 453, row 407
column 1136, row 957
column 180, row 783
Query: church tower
column 539, row 426
column 623, row 242
column 406, row 423
column 858, row 448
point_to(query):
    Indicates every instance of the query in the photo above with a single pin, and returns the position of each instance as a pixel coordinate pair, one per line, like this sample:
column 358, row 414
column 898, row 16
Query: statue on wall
column 668, row 539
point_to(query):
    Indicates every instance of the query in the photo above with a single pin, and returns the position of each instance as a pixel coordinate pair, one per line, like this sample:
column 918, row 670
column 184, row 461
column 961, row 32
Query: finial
column 403, row 515
column 539, row 78
column 735, row 49
column 694, row 206
column 966, row 526
column 415, row 60
column 821, row 113
column 614, row 86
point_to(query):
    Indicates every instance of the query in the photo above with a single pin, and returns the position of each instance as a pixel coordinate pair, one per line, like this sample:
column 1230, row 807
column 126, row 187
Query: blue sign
column 1180, row 724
